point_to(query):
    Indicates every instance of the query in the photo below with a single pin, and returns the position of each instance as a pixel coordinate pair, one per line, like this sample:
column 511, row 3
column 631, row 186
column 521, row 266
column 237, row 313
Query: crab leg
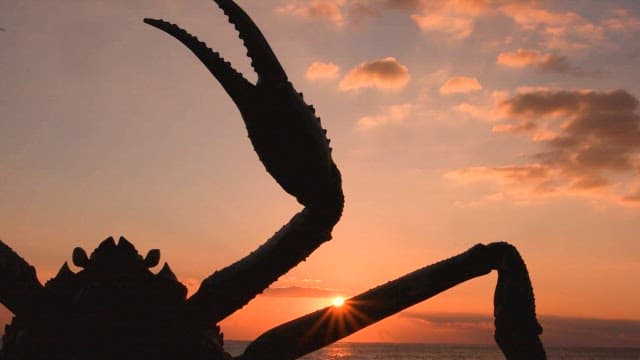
column 229, row 289
column 517, row 328
column 20, row 290
column 291, row 143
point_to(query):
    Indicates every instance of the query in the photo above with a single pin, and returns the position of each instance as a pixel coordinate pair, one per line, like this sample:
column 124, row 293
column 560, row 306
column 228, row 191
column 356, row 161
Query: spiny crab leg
column 291, row 143
column 517, row 328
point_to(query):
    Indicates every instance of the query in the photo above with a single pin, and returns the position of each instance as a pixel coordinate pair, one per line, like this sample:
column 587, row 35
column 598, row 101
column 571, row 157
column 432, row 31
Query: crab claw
column 284, row 131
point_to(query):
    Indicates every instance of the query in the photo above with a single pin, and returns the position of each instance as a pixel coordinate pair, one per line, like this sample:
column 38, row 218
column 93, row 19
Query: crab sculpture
column 115, row 307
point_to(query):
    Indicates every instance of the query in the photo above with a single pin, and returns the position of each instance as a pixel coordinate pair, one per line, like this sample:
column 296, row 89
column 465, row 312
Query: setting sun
column 523, row 126
column 337, row 301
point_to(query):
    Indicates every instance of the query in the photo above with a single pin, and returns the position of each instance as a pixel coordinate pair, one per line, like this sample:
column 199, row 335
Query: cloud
column 455, row 26
column 519, row 58
column 480, row 321
column 559, row 30
column 590, row 145
column 460, row 84
column 472, row 110
column 633, row 196
column 518, row 181
column 455, row 18
column 329, row 10
column 545, row 62
column 321, row 71
column 451, row 17
column 621, row 21
column 298, row 291
column 341, row 12
column 524, row 57
column 395, row 114
column 557, row 330
column 402, row 4
column 385, row 74
column 530, row 15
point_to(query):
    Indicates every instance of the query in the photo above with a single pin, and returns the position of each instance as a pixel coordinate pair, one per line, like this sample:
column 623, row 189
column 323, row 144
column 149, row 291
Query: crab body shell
column 113, row 308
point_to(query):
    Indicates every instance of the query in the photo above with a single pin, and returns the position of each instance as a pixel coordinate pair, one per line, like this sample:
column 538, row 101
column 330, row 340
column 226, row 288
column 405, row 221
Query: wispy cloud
column 458, row 19
column 559, row 30
column 451, row 17
column 301, row 292
column 329, row 10
column 455, row 18
column 319, row 70
column 545, row 62
column 621, row 21
column 558, row 331
column 384, row 74
column 455, row 26
column 590, row 145
column 473, row 110
column 394, row 114
column 460, row 84
column 402, row 4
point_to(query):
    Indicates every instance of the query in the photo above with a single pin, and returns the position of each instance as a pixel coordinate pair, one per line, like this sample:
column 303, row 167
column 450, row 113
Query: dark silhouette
column 116, row 308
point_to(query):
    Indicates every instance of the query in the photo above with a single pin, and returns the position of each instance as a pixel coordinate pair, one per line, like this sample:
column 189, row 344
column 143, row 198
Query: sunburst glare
column 337, row 301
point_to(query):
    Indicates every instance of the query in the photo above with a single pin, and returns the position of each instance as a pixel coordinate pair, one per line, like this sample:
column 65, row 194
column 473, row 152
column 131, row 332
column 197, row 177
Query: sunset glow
column 453, row 122
column 337, row 301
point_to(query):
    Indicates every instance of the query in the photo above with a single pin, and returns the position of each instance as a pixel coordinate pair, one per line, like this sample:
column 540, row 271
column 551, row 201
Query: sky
column 453, row 122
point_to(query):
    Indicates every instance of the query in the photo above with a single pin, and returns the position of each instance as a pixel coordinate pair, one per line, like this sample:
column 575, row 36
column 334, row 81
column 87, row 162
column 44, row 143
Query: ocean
column 375, row 351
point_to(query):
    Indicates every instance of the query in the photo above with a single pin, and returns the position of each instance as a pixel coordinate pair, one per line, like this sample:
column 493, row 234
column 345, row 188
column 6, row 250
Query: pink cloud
column 460, row 84
column 454, row 18
column 476, row 111
column 455, row 26
column 526, row 57
column 530, row 15
column 385, row 74
column 322, row 70
column 565, row 30
column 519, row 58
column 395, row 114
column 590, row 142
column 329, row 10
column 622, row 21
column 560, row 30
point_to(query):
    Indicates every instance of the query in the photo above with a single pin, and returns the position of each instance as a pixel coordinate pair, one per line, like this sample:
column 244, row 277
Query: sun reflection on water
column 336, row 351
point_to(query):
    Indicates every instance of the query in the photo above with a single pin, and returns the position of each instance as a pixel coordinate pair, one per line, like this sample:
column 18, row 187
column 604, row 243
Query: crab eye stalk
column 79, row 257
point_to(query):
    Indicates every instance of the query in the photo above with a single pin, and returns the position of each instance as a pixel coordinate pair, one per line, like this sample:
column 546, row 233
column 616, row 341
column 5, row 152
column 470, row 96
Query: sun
column 337, row 301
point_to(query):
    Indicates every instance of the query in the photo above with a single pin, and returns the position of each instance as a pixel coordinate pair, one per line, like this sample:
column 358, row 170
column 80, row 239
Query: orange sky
column 453, row 123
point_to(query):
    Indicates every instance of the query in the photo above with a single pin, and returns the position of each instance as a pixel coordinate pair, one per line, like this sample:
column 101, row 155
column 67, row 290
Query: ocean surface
column 374, row 351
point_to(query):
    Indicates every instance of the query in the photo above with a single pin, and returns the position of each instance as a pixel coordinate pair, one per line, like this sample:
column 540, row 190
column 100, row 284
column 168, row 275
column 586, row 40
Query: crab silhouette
column 115, row 307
